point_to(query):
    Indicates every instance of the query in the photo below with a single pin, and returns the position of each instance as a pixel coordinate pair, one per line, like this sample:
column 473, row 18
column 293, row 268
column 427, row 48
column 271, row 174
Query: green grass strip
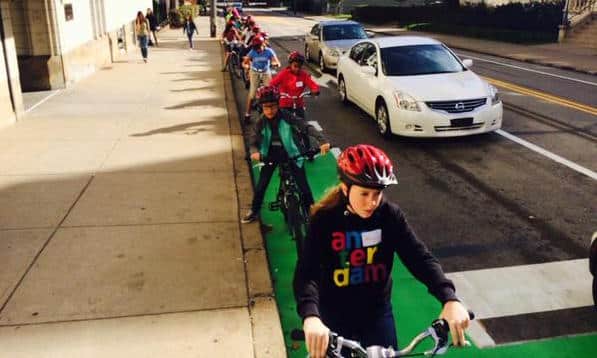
column 414, row 308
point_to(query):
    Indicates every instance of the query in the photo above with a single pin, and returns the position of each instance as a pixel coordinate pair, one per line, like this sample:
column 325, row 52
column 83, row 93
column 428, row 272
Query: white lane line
column 516, row 290
column 479, row 335
column 529, row 70
column 42, row 101
column 588, row 172
column 316, row 125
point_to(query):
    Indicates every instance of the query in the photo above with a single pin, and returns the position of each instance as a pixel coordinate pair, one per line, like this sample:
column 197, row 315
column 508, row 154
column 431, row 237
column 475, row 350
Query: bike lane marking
column 576, row 167
column 515, row 290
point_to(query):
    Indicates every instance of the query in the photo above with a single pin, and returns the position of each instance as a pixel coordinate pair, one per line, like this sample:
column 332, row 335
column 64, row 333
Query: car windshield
column 343, row 32
column 418, row 60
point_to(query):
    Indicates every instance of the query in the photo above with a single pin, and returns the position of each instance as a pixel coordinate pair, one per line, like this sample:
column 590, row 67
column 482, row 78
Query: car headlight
column 494, row 95
column 334, row 52
column 406, row 102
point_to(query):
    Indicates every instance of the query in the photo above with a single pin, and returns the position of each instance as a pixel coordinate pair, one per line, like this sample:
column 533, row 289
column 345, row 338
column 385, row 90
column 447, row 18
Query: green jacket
column 290, row 129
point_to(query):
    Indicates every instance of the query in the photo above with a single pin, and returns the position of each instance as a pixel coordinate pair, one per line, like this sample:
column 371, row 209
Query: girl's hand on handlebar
column 317, row 337
column 256, row 156
column 324, row 148
column 457, row 317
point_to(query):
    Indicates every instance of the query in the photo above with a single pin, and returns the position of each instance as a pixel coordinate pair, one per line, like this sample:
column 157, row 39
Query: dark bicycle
column 295, row 108
column 438, row 332
column 234, row 62
column 289, row 199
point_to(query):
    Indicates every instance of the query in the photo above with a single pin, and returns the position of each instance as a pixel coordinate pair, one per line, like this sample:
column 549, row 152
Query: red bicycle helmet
column 265, row 35
column 267, row 94
column 296, row 56
column 256, row 29
column 366, row 165
column 257, row 41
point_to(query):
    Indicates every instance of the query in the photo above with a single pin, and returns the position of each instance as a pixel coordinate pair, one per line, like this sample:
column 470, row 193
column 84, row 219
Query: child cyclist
column 343, row 278
column 293, row 80
column 259, row 61
column 276, row 137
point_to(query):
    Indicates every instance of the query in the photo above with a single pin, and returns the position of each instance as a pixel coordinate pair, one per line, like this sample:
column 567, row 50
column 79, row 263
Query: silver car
column 328, row 40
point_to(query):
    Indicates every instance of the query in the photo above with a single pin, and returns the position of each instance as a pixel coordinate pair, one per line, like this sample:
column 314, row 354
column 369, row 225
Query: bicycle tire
column 236, row 67
column 296, row 220
column 231, row 64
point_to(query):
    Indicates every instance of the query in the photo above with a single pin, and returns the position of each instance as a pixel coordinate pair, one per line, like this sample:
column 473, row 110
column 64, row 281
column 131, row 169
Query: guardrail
column 576, row 11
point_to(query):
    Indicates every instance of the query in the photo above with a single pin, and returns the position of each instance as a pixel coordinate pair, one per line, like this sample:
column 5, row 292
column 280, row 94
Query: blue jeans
column 143, row 40
column 378, row 328
column 190, row 36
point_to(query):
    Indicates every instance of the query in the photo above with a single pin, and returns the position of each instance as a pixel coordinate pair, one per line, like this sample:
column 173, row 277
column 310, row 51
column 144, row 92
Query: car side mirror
column 468, row 63
column 368, row 70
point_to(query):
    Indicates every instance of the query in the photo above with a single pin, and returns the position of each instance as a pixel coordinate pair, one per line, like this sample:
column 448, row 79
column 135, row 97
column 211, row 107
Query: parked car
column 417, row 87
column 328, row 40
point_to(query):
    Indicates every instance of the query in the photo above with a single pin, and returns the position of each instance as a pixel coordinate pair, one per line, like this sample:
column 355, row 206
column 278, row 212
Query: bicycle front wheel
column 297, row 220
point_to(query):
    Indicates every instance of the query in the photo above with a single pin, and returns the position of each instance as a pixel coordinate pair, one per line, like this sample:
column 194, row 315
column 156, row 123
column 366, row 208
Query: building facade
column 49, row 44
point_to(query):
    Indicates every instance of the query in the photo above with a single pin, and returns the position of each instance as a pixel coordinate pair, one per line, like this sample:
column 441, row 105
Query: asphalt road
column 488, row 202
column 481, row 201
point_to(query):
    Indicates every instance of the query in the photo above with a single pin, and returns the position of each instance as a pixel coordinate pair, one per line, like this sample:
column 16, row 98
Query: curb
column 268, row 339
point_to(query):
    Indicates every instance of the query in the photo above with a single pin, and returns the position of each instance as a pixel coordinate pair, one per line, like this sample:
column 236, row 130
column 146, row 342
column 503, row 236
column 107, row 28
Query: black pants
column 374, row 328
column 278, row 154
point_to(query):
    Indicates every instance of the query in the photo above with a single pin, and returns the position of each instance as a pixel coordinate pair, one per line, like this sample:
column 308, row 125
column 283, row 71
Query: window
column 418, row 60
column 343, row 32
column 369, row 56
column 357, row 51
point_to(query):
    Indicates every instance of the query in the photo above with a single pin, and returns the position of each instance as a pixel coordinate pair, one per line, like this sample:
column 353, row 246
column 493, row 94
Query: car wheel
column 342, row 90
column 321, row 62
column 383, row 120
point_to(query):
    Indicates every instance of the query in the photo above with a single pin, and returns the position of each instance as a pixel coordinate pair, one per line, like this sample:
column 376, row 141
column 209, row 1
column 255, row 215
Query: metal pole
column 212, row 18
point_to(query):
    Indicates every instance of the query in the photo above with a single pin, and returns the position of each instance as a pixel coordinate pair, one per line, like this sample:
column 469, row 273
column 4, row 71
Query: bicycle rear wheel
column 232, row 61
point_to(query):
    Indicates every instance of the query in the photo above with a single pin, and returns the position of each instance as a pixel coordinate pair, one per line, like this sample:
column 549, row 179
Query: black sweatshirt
column 347, row 262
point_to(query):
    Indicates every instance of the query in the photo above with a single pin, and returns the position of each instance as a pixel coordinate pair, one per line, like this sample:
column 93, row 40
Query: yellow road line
column 544, row 96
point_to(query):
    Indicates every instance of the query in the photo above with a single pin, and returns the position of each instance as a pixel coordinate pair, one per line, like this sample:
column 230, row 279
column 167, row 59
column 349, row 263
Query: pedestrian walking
column 142, row 30
column 190, row 29
column 153, row 27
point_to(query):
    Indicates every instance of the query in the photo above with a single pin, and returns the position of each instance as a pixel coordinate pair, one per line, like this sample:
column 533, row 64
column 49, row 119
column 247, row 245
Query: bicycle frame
column 289, row 200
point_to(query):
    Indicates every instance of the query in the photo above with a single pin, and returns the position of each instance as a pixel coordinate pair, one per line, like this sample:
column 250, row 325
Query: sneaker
column 249, row 217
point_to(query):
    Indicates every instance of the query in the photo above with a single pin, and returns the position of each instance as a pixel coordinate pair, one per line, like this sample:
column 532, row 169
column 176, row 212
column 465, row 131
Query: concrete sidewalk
column 119, row 223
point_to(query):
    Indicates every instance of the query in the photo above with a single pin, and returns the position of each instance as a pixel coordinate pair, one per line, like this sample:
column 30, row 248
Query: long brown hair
column 333, row 198
column 140, row 18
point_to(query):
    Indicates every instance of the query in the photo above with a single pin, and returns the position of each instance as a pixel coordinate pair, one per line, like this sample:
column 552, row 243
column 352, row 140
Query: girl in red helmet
column 293, row 81
column 343, row 276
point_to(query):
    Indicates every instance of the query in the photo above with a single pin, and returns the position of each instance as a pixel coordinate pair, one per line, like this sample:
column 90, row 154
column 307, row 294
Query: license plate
column 461, row 122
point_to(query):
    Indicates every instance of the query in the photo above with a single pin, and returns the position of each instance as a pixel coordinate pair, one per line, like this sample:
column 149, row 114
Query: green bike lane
column 414, row 307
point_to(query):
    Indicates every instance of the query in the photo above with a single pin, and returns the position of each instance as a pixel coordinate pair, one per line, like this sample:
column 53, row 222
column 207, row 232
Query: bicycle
column 234, row 62
column 438, row 331
column 289, row 199
column 295, row 108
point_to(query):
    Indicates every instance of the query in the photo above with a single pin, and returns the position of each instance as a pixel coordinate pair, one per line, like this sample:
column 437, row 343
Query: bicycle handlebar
column 304, row 94
column 306, row 154
column 438, row 331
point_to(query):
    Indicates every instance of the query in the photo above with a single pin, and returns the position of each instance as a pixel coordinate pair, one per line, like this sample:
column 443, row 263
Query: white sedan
column 417, row 87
